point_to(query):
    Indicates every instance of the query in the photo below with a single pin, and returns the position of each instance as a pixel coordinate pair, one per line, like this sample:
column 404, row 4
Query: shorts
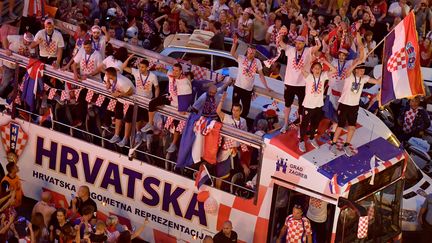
column 118, row 113
column 347, row 114
column 142, row 114
column 291, row 91
column 223, row 168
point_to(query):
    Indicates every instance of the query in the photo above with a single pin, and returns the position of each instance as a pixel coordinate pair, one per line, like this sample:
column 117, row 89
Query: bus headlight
column 409, row 215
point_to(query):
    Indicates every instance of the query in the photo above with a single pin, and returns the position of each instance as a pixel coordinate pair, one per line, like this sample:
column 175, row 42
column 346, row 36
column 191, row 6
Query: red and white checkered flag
column 51, row 93
column 397, row 61
column 100, row 100
column 111, row 105
column 89, row 95
column 363, row 225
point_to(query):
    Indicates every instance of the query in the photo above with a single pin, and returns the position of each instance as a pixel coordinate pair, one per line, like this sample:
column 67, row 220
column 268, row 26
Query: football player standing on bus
column 349, row 105
column 297, row 227
column 298, row 57
column 313, row 102
column 247, row 67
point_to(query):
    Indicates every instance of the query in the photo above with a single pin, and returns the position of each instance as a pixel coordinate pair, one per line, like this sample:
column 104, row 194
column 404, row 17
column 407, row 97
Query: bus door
column 321, row 213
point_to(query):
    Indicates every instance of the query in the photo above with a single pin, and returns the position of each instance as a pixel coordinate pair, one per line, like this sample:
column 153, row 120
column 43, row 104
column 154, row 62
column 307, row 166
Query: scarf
column 282, row 32
column 249, row 68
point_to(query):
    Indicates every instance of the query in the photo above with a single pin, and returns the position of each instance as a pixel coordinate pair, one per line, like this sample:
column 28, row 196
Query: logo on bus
column 14, row 140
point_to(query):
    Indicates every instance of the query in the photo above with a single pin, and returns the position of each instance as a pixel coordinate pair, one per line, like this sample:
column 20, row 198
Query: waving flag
column 202, row 177
column 401, row 63
column 32, row 84
column 334, row 187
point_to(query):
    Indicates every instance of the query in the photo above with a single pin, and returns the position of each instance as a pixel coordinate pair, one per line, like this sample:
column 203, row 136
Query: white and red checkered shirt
column 410, row 115
column 298, row 229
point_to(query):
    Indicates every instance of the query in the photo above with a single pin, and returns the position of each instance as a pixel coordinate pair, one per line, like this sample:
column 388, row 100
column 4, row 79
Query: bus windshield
column 383, row 208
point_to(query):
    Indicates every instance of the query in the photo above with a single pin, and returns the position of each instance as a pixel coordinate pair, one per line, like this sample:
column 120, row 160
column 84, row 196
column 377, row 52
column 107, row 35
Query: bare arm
column 59, row 57
column 234, row 47
column 282, row 232
column 126, row 63
column 107, row 36
column 157, row 91
column 139, row 230
column 262, row 78
column 375, row 81
column 219, row 111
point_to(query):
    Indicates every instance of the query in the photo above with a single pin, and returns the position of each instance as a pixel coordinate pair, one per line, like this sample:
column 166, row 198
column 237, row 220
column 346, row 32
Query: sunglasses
column 298, row 206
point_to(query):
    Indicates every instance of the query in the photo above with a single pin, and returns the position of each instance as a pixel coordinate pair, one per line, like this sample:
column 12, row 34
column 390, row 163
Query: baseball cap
column 361, row 66
column 28, row 37
column 343, row 50
column 96, row 28
column 300, row 39
column 49, row 21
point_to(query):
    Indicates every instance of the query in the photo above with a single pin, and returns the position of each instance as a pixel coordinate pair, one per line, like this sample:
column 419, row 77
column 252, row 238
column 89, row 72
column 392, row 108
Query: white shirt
column 317, row 210
column 293, row 74
column 111, row 62
column 348, row 96
column 88, row 63
column 122, row 84
column 396, row 10
column 245, row 24
column 336, row 81
column 246, row 81
column 16, row 45
column 144, row 83
column 314, row 98
column 183, row 86
column 49, row 46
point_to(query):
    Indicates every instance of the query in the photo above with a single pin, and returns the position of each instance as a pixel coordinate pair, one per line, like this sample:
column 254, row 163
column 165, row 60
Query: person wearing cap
column 297, row 227
column 98, row 40
column 50, row 43
column 298, row 58
column 313, row 102
column 349, row 105
column 270, row 115
column 244, row 84
column 19, row 44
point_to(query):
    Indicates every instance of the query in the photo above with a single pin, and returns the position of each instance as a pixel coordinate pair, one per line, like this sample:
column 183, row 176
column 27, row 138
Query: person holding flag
column 349, row 105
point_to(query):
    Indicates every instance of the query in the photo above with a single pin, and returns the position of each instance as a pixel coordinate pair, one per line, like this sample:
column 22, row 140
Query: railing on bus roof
column 227, row 131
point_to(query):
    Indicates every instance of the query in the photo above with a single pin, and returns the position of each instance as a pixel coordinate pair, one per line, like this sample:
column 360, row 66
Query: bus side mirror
column 363, row 223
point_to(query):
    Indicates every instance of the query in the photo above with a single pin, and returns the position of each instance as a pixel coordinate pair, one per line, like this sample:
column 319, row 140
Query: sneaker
column 172, row 148
column 333, row 149
column 314, row 143
column 123, row 142
column 115, row 139
column 284, row 128
column 138, row 138
column 348, row 151
column 147, row 127
column 302, row 146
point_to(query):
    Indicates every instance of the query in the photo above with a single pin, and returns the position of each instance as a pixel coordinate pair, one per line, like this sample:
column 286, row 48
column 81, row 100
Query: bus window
column 200, row 59
column 222, row 62
column 383, row 210
column 176, row 54
column 282, row 206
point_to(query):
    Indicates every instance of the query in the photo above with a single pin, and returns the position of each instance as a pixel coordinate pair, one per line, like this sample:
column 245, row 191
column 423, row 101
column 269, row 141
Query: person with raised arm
column 247, row 67
column 313, row 101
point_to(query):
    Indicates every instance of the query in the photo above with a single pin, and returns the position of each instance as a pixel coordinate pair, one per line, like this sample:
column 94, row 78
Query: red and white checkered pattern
column 51, row 93
column 316, row 203
column 100, row 100
column 87, row 68
column 169, row 125
column 64, row 95
column 125, row 108
column 340, row 144
column 199, row 72
column 89, row 95
column 409, row 118
column 296, row 228
column 111, row 105
column 397, row 61
column 6, row 136
column 362, row 227
column 51, row 47
column 298, row 66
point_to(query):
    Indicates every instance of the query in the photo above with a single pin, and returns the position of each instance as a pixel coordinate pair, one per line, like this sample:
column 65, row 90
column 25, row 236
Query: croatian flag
column 401, row 63
column 32, row 82
column 334, row 187
column 202, row 176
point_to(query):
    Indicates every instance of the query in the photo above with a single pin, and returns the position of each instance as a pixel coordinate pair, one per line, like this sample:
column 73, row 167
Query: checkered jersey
column 298, row 229
column 362, row 227
column 397, row 61
column 10, row 142
column 409, row 118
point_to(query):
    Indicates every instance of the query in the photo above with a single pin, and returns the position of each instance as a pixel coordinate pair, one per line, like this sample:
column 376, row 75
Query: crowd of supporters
column 333, row 36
